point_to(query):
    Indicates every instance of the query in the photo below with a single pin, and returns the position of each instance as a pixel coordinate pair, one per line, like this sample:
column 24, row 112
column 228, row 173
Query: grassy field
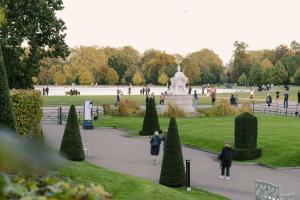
column 110, row 99
column 124, row 187
column 278, row 136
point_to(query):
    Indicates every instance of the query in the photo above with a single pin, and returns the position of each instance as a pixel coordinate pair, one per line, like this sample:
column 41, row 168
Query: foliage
column 151, row 122
column 172, row 170
column 128, row 108
column 245, row 137
column 106, row 109
column 256, row 75
column 266, row 64
column 279, row 74
column 36, row 24
column 297, row 77
column 27, row 106
column 71, row 145
column 86, row 77
column 137, row 78
column 175, row 111
column 112, row 77
column 49, row 187
column 7, row 117
column 163, row 78
column 291, row 64
column 243, row 80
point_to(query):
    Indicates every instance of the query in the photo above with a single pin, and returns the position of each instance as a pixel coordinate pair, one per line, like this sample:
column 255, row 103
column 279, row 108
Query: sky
column 182, row 26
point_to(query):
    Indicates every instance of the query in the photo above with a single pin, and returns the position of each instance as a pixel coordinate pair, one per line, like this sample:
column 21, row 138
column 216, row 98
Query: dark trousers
column 285, row 104
column 223, row 168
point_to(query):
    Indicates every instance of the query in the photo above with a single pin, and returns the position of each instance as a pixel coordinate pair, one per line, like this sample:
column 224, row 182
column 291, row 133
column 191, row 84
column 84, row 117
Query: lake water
column 112, row 90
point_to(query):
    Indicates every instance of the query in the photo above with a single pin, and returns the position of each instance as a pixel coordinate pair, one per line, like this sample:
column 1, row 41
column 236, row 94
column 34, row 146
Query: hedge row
column 27, row 106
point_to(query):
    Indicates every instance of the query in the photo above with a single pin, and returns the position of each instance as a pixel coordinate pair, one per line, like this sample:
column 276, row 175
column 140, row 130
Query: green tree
column 137, row 78
column 130, row 73
column 297, row 77
column 59, row 78
column 243, row 80
column 7, row 117
column 120, row 62
column 112, row 77
column 163, row 78
column 241, row 60
column 151, row 123
column 71, row 145
column 279, row 74
column 256, row 75
column 191, row 70
column 280, row 52
column 291, row 64
column 34, row 23
column 295, row 47
column 172, row 170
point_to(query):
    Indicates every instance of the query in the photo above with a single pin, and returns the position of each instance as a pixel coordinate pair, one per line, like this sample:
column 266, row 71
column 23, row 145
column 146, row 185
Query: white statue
column 178, row 82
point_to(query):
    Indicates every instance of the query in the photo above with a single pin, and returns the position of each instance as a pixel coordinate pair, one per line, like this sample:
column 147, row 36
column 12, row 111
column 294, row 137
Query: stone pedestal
column 183, row 101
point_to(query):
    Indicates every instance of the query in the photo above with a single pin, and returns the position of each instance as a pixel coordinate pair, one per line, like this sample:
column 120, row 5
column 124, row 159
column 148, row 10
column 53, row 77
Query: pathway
column 110, row 149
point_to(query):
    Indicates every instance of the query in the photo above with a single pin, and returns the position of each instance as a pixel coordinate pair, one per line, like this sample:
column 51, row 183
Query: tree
column 151, row 123
column 86, row 77
column 297, row 77
column 280, row 52
column 120, row 62
column 295, row 47
column 137, row 78
column 163, row 78
column 71, row 145
column 256, row 75
column 241, row 60
column 112, row 77
column 34, row 23
column 130, row 73
column 172, row 170
column 279, row 74
column 243, row 80
column 59, row 78
column 7, row 117
column 191, row 70
column 266, row 64
column 291, row 64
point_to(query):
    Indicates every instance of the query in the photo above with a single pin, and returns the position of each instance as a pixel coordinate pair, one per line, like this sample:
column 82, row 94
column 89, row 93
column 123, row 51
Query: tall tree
column 280, row 52
column 34, row 23
column 256, row 75
column 279, row 74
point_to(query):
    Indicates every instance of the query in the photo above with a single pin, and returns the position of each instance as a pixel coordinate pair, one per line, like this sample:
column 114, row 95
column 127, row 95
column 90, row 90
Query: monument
column 177, row 94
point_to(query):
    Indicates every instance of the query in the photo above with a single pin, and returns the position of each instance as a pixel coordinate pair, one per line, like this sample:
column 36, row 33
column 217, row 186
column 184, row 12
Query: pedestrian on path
column 286, row 100
column 155, row 146
column 298, row 97
column 269, row 100
column 225, row 158
column 251, row 93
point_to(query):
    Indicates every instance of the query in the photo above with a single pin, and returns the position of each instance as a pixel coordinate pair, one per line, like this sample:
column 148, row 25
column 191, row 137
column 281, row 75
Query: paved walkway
column 110, row 149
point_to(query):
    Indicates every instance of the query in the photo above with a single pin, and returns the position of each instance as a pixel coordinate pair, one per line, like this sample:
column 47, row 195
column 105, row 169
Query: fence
column 276, row 109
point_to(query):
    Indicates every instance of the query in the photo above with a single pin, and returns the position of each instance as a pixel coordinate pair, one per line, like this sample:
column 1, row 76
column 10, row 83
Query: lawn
column 124, row 187
column 278, row 136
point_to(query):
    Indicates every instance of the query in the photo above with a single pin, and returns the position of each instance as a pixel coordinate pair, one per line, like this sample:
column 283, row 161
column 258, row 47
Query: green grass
column 278, row 136
column 124, row 187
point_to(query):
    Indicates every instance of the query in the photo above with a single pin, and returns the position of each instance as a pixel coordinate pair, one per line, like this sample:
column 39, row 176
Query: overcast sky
column 182, row 26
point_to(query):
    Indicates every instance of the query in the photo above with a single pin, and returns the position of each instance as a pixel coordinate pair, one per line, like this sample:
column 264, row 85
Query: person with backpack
column 155, row 142
column 225, row 158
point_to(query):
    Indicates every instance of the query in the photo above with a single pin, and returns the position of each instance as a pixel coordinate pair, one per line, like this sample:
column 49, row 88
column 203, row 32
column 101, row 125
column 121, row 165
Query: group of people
column 73, row 92
column 45, row 91
column 225, row 156
column 145, row 90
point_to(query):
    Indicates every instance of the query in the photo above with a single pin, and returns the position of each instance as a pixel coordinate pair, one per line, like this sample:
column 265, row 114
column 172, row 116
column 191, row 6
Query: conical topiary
column 71, row 145
column 151, row 122
column 245, row 137
column 172, row 170
column 7, row 117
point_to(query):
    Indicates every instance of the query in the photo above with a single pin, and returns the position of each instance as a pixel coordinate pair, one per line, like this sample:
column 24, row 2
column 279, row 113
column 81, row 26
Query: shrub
column 174, row 111
column 7, row 118
column 71, row 145
column 27, row 106
column 245, row 141
column 172, row 170
column 151, row 122
column 128, row 107
column 47, row 187
column 107, row 109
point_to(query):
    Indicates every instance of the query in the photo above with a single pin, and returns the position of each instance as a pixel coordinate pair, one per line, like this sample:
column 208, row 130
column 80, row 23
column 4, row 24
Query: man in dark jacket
column 269, row 100
column 298, row 96
column 155, row 146
column 226, row 159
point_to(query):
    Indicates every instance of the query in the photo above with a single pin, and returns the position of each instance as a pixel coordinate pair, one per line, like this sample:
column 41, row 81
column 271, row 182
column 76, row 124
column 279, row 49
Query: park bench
column 268, row 191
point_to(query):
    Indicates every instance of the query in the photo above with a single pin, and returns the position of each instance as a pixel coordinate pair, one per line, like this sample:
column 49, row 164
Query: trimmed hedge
column 71, row 145
column 7, row 118
column 151, row 122
column 27, row 106
column 245, row 137
column 172, row 170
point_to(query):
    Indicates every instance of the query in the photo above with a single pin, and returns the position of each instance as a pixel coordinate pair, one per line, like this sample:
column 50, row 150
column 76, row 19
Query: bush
column 47, row 187
column 128, row 108
column 174, row 111
column 245, row 141
column 172, row 170
column 27, row 106
column 71, row 145
column 107, row 109
column 7, row 118
column 151, row 122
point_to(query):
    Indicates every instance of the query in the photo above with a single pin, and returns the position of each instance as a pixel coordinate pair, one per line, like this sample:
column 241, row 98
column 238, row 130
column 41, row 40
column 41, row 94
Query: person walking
column 269, row 100
column 162, row 99
column 190, row 90
column 118, row 98
column 44, row 91
column 47, row 90
column 298, row 97
column 195, row 100
column 286, row 100
column 251, row 94
column 232, row 100
column 155, row 142
column 213, row 97
column 225, row 158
